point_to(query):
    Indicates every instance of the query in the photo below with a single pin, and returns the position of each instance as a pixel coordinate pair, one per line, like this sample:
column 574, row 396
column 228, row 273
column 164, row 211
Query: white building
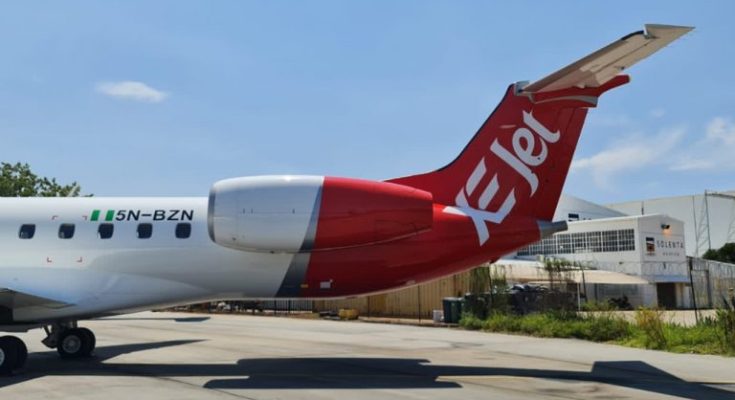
column 709, row 218
column 651, row 247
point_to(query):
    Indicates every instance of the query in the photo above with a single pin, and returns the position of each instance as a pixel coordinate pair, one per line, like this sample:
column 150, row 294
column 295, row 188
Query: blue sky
column 164, row 98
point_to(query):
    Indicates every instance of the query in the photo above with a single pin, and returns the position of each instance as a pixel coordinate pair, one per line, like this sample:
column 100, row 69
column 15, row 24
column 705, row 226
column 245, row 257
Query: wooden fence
column 411, row 302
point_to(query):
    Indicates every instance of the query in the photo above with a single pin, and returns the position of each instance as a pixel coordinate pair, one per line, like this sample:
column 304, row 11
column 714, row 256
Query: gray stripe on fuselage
column 291, row 285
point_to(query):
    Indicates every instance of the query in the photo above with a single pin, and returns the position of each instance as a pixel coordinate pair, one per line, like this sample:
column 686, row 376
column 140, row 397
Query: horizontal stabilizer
column 601, row 66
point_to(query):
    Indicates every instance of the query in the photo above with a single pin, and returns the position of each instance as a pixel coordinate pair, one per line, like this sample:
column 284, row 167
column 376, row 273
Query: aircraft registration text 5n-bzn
column 137, row 215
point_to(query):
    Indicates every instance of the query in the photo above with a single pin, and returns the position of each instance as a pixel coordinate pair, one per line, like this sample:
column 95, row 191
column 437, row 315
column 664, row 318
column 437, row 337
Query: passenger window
column 183, row 230
column 66, row 231
column 145, row 230
column 27, row 231
column 104, row 231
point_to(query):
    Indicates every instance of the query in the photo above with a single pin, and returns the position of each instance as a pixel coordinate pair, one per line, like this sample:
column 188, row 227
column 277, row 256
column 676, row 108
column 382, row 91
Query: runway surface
column 188, row 356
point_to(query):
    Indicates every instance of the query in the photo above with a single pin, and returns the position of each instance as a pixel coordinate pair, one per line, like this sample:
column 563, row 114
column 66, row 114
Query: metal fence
column 287, row 305
column 713, row 282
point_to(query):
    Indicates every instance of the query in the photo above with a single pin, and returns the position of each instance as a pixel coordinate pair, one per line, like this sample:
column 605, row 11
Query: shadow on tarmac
column 349, row 372
column 183, row 319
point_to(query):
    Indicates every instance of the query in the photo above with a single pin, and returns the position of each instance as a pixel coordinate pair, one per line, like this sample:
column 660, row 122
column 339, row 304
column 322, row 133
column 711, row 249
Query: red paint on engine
column 356, row 212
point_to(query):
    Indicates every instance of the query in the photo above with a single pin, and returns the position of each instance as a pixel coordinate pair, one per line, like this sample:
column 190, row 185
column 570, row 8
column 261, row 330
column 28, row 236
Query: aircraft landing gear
column 13, row 354
column 76, row 343
column 70, row 341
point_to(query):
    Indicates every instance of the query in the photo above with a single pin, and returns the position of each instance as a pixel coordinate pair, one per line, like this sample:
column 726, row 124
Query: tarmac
column 188, row 356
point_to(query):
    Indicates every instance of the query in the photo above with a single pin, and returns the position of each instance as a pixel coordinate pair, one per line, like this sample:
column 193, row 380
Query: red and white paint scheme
column 69, row 259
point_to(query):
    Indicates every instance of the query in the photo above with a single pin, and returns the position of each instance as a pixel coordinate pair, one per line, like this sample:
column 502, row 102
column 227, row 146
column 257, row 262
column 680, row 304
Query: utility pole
column 731, row 226
column 696, row 230
column 709, row 230
column 691, row 283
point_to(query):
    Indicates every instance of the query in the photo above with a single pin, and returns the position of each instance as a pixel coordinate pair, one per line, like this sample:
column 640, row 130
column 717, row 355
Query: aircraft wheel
column 21, row 351
column 9, row 353
column 74, row 343
column 89, row 343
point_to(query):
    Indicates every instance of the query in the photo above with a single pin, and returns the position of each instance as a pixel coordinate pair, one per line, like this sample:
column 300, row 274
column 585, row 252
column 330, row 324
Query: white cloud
column 713, row 152
column 668, row 150
column 689, row 163
column 658, row 112
column 721, row 129
column 630, row 154
column 132, row 90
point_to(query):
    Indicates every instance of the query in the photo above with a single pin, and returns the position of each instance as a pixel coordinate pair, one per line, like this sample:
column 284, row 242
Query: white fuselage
column 90, row 276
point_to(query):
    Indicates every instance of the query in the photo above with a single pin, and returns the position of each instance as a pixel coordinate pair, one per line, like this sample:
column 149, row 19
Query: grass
column 650, row 322
column 599, row 328
column 699, row 339
column 712, row 336
column 725, row 321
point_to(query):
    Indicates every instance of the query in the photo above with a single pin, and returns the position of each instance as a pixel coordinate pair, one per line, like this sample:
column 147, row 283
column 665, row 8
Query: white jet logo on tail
column 523, row 157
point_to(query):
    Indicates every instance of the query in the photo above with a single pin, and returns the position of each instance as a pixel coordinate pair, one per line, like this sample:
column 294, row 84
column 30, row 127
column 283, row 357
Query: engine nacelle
column 309, row 213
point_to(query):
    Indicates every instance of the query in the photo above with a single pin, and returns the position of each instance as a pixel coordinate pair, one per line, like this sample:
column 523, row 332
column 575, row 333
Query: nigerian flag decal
column 109, row 215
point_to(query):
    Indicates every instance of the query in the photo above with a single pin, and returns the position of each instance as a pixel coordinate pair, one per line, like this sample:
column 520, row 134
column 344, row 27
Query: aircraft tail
column 519, row 159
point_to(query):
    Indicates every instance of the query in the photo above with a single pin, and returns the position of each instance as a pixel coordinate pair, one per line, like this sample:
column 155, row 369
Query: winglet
column 603, row 65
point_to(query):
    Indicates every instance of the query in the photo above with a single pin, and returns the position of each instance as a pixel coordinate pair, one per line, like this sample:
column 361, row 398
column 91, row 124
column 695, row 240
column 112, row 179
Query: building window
column 183, row 230
column 549, row 245
column 145, row 230
column 66, row 231
column 594, row 241
column 565, row 243
column 609, row 241
column 584, row 242
column 626, row 240
column 104, row 231
column 579, row 243
column 27, row 231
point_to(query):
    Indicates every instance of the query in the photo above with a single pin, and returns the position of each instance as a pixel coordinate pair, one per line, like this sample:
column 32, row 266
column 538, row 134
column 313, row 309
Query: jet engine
column 311, row 213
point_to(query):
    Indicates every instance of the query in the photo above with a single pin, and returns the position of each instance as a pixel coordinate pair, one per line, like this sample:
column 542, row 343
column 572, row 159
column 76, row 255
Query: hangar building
column 709, row 218
column 653, row 239
column 651, row 247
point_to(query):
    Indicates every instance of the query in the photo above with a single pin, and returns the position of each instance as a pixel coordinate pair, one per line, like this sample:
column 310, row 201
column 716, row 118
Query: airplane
column 291, row 236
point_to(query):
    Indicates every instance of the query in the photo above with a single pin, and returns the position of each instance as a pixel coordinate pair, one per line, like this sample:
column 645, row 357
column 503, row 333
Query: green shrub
column 471, row 322
column 606, row 327
column 501, row 322
column 651, row 325
column 596, row 306
column 600, row 328
column 699, row 338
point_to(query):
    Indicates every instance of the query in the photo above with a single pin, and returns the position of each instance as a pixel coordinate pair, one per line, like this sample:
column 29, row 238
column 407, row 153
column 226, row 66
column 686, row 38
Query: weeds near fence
column 650, row 322
column 725, row 321
column 598, row 328
column 715, row 335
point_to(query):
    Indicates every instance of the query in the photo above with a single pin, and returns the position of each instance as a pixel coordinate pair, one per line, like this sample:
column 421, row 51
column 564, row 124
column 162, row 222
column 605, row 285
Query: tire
column 89, row 342
column 8, row 355
column 72, row 343
column 21, row 351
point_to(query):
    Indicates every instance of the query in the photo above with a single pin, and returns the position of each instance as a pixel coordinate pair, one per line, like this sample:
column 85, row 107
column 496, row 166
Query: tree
column 726, row 253
column 17, row 180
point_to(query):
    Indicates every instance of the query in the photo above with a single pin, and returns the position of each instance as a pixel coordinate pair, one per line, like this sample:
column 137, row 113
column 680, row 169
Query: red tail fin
column 519, row 159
